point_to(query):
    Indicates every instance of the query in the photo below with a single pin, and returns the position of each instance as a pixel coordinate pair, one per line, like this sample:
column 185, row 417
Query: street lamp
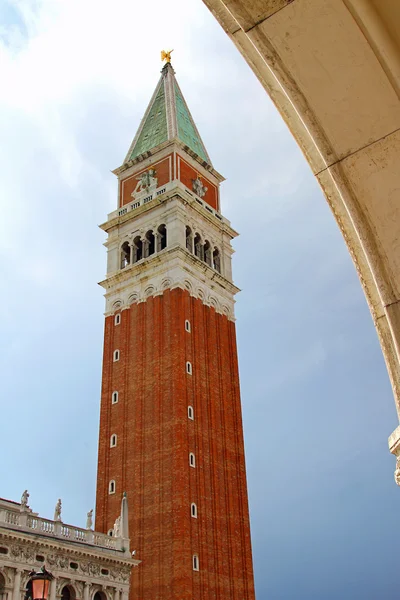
column 38, row 585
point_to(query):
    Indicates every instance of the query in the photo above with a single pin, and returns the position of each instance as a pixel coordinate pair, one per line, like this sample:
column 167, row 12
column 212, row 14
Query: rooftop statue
column 166, row 55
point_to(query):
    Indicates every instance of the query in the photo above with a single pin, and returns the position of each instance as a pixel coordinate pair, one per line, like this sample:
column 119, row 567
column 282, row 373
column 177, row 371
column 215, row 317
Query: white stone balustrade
column 25, row 521
column 146, row 197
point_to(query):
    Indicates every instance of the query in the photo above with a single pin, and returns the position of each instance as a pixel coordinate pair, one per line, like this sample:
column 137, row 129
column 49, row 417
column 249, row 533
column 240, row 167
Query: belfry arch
column 332, row 68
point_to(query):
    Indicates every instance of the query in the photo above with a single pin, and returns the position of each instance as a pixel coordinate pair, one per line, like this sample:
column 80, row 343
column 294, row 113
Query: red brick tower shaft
column 170, row 422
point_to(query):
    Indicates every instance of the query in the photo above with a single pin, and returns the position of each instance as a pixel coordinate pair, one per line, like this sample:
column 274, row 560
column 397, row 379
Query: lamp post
column 38, row 585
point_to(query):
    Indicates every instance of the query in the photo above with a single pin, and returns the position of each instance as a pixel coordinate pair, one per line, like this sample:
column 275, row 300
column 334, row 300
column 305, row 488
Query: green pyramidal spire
column 167, row 117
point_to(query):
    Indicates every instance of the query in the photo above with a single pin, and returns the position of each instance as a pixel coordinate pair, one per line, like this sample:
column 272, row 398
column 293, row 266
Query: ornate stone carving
column 62, row 561
column 146, row 182
column 397, row 471
column 28, row 553
column 24, row 499
column 117, row 526
column 84, row 566
column 94, row 569
column 57, row 510
column 198, row 187
column 89, row 520
column 16, row 550
column 51, row 559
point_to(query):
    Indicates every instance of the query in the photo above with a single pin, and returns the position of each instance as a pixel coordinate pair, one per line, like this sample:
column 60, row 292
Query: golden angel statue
column 166, row 55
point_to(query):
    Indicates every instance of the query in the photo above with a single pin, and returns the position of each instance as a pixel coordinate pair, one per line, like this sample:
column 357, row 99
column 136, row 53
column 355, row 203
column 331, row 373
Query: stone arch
column 353, row 154
column 207, row 253
column 200, row 293
column 68, row 592
column 117, row 304
column 216, row 259
column 225, row 310
column 149, row 243
column 137, row 249
column 133, row 298
column 125, row 254
column 149, row 291
column 99, row 594
column 198, row 246
column 214, row 303
column 162, row 240
column 189, row 239
column 166, row 283
column 188, row 285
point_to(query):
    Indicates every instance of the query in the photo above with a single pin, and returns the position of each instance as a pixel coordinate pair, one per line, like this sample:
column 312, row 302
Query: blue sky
column 317, row 403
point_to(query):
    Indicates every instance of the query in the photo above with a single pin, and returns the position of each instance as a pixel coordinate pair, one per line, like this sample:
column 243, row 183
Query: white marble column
column 17, row 585
column 86, row 591
column 53, row 588
column 116, row 594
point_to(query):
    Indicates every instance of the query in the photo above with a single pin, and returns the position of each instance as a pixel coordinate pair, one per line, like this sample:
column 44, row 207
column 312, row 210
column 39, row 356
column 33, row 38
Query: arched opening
column 329, row 123
column 137, row 249
column 99, row 596
column 68, row 593
column 125, row 255
column 216, row 260
column 207, row 253
column 189, row 239
column 3, row 593
column 161, row 237
column 198, row 247
column 148, row 244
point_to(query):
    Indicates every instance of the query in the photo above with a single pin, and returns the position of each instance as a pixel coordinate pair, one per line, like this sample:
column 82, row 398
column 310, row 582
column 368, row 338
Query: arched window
column 161, row 238
column 192, row 459
column 137, row 249
column 125, row 255
column 207, row 253
column 117, row 319
column 113, row 440
column 195, row 562
column 116, row 355
column 190, row 413
column 217, row 260
column 68, row 592
column 193, row 510
column 187, row 326
column 189, row 239
column 110, row 532
column 198, row 247
column 111, row 487
column 114, row 397
column 189, row 368
column 148, row 244
column 65, row 593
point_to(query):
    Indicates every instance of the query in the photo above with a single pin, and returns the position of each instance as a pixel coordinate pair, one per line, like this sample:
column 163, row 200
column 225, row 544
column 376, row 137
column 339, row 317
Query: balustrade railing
column 142, row 199
column 12, row 518
column 28, row 522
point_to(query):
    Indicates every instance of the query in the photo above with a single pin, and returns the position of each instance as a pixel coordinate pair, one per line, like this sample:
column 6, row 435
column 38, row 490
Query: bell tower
column 170, row 421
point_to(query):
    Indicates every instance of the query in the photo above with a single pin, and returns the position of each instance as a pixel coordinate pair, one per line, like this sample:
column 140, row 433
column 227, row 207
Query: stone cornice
column 144, row 269
column 41, row 543
column 131, row 166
